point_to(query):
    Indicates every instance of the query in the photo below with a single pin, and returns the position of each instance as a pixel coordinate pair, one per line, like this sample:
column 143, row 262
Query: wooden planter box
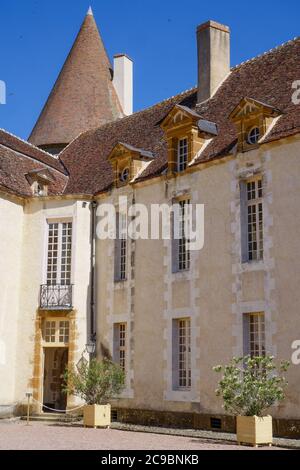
column 254, row 430
column 97, row 416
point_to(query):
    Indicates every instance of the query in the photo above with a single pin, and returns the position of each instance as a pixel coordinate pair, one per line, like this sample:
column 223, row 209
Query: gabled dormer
column 186, row 133
column 128, row 162
column 252, row 119
column 39, row 181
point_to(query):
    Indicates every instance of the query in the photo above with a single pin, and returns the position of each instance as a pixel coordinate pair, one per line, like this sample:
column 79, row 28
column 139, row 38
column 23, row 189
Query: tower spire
column 90, row 11
column 83, row 96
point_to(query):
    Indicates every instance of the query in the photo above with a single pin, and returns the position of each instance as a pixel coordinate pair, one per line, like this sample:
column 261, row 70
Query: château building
column 165, row 313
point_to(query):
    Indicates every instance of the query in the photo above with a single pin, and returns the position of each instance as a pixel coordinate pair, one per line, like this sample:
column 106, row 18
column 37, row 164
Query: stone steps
column 53, row 418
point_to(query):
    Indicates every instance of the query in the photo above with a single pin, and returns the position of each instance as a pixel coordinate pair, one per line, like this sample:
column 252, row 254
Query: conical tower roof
column 83, row 96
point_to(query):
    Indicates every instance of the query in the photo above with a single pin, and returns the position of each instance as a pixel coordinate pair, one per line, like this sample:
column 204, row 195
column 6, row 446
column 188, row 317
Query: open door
column 55, row 363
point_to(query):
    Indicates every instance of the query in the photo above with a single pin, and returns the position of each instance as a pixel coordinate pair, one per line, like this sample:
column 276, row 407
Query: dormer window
column 186, row 133
column 183, row 148
column 253, row 120
column 128, row 162
column 39, row 181
column 253, row 135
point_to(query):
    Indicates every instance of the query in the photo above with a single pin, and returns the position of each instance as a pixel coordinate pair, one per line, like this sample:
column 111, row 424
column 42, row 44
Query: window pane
column 184, row 353
column 255, row 220
column 182, row 155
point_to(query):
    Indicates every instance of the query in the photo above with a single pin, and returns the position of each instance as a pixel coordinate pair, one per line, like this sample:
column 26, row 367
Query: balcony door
column 57, row 289
column 59, row 257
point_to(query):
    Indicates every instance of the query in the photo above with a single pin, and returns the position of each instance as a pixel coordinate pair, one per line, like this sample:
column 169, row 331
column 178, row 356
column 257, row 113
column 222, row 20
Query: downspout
column 93, row 332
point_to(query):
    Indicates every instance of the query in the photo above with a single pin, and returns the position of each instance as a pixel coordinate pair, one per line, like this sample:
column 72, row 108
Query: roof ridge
column 29, row 157
column 270, row 51
column 28, row 143
column 55, row 159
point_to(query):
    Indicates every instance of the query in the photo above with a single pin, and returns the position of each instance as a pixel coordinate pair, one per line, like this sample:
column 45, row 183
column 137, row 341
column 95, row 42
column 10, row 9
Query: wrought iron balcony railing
column 56, row 297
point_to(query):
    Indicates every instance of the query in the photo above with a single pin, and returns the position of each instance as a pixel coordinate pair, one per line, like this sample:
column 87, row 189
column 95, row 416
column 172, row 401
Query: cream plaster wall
column 215, row 293
column 11, row 223
column 33, row 275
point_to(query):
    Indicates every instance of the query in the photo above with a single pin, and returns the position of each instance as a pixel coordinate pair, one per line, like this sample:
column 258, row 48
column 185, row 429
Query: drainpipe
column 92, row 340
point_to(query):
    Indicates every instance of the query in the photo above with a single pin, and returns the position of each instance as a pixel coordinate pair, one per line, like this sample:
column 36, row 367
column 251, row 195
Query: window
column 121, row 248
column 253, row 136
column 255, row 220
column 57, row 332
column 184, row 253
column 184, row 353
column 50, row 332
column 120, row 344
column 182, row 155
column 64, row 332
column 180, row 251
column 124, row 175
column 254, row 334
column 59, row 253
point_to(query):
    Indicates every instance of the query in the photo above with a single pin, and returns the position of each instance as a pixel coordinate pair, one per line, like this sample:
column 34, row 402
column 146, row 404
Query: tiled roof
column 87, row 156
column 267, row 78
column 83, row 96
column 18, row 158
column 15, row 143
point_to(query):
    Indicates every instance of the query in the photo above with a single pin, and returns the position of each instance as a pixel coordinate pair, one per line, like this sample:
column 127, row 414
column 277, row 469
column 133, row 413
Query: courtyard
column 16, row 435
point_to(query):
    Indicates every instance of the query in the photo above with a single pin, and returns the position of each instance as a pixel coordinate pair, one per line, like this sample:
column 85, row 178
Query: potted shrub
column 249, row 386
column 95, row 382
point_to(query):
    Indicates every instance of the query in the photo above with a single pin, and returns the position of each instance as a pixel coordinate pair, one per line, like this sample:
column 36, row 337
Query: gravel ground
column 38, row 436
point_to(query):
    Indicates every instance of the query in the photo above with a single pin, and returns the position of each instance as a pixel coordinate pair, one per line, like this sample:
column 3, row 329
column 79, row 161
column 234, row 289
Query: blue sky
column 35, row 38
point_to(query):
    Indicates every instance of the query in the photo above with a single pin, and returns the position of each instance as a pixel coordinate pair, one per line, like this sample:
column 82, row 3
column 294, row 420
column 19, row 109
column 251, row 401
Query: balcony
column 56, row 297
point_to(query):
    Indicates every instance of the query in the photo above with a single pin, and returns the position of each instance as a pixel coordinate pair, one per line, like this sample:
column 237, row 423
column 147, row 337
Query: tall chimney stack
column 213, row 40
column 123, row 82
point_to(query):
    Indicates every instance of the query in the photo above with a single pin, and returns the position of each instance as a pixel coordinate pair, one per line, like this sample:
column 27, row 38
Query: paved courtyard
column 37, row 436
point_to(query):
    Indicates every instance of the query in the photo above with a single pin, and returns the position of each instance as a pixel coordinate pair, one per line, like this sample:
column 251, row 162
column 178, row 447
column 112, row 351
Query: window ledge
column 187, row 395
column 122, row 284
column 182, row 275
column 250, row 266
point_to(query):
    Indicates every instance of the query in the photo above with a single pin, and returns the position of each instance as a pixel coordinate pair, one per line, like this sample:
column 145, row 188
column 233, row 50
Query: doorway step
column 54, row 418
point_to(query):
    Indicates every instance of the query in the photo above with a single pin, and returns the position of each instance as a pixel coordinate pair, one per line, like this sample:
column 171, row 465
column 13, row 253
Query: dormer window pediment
column 127, row 162
column 186, row 132
column 252, row 119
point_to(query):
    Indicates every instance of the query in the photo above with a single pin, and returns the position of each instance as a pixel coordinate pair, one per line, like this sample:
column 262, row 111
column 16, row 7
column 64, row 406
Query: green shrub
column 249, row 386
column 95, row 382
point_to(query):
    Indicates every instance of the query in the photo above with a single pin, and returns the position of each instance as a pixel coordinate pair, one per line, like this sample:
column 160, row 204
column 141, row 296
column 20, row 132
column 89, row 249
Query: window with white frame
column 121, row 248
column 182, row 379
column 59, row 255
column 184, row 255
column 257, row 334
column 254, row 334
column 255, row 220
column 182, row 154
column 120, row 344
column 56, row 332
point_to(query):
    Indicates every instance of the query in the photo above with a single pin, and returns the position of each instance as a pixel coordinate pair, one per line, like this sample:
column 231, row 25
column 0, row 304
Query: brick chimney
column 213, row 40
column 123, row 82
